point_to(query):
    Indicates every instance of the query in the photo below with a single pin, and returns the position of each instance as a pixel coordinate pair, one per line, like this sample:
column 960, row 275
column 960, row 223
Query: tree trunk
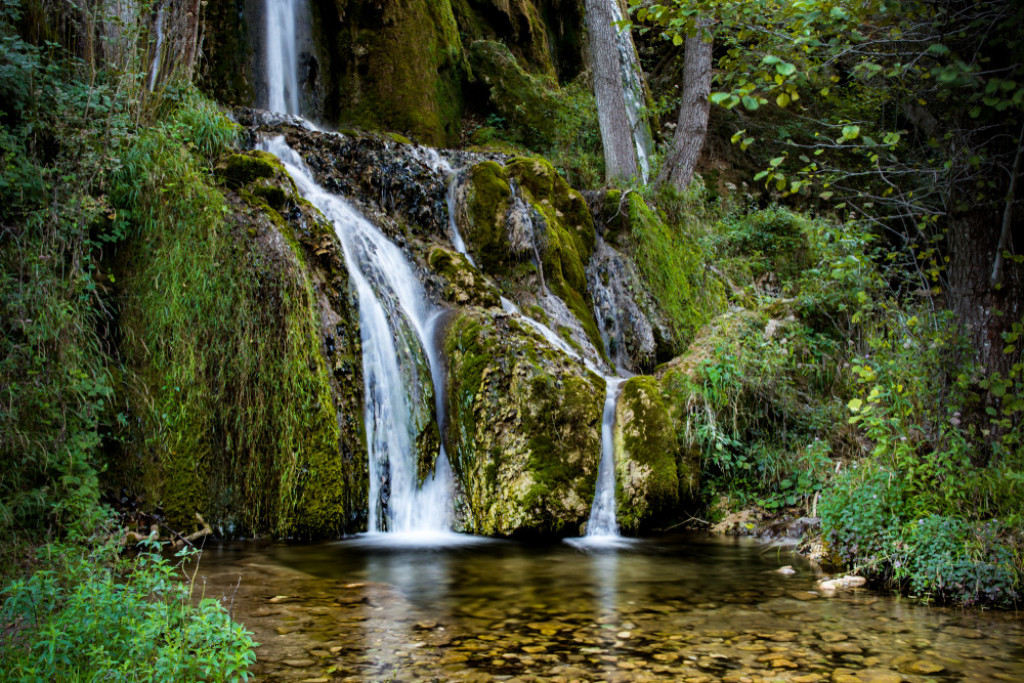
column 620, row 160
column 983, row 312
column 694, row 110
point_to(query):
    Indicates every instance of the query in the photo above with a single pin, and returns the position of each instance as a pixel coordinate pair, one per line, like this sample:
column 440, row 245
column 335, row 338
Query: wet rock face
column 621, row 303
column 393, row 65
column 331, row 494
column 524, row 429
column 654, row 476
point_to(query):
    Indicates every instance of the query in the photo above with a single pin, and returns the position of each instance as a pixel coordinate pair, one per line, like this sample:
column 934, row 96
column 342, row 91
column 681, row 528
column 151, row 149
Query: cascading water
column 602, row 522
column 158, row 46
column 633, row 90
column 391, row 304
column 282, row 55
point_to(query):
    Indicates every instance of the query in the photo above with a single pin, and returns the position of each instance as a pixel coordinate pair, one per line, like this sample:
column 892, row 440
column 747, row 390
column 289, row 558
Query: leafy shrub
column 921, row 512
column 863, row 513
column 958, row 560
column 93, row 618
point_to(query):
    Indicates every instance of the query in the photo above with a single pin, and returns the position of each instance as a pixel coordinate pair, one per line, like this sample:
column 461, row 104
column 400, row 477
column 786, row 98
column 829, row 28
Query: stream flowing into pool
column 685, row 608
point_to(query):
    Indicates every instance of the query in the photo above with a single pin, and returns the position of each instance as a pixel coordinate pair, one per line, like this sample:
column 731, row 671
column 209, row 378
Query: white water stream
column 282, row 55
column 390, row 298
column 158, row 47
column 602, row 522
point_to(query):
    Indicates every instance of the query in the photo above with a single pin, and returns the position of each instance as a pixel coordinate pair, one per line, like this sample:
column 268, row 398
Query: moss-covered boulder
column 653, row 474
column 464, row 285
column 240, row 335
column 566, row 236
column 484, row 202
column 524, row 429
column 393, row 64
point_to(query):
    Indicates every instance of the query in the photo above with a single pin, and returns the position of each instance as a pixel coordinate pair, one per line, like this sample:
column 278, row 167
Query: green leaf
column 782, row 100
column 855, row 405
column 785, row 68
column 719, row 97
column 851, row 132
column 749, row 103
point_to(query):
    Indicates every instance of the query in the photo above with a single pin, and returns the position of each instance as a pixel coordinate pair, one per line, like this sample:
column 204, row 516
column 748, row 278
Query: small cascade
column 524, row 232
column 158, row 47
column 633, row 90
column 602, row 522
column 453, row 224
column 282, row 55
column 437, row 163
column 396, row 321
column 626, row 330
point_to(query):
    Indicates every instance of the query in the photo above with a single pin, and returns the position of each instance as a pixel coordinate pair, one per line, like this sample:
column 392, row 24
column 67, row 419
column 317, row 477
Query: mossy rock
column 537, row 175
column 518, row 24
column 524, row 429
column 529, row 103
column 464, row 284
column 485, row 202
column 238, row 170
column 567, row 239
column 646, row 451
column 242, row 334
column 394, row 65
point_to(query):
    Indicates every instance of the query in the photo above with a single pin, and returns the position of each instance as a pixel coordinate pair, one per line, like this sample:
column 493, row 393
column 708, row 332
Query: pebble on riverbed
column 843, row 582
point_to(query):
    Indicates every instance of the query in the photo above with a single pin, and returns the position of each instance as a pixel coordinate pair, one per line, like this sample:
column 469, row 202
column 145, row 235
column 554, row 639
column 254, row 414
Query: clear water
column 397, row 321
column 672, row 609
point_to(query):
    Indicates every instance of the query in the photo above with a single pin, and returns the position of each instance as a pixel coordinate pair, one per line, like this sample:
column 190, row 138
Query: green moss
column 524, row 433
column 488, row 201
column 238, row 170
column 394, row 65
column 540, row 178
column 400, row 139
column 674, row 268
column 518, row 25
column 568, row 239
column 464, row 284
column 646, row 456
column 240, row 416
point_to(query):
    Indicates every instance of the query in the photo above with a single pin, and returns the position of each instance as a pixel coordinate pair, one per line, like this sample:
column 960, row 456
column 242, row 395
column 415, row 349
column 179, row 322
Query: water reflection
column 646, row 611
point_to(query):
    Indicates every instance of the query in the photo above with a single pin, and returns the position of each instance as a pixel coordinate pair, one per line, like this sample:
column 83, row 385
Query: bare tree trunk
column 620, row 160
column 694, row 110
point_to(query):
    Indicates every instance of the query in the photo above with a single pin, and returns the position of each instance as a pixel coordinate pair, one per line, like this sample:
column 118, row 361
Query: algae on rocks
column 524, row 428
column 242, row 334
column 655, row 475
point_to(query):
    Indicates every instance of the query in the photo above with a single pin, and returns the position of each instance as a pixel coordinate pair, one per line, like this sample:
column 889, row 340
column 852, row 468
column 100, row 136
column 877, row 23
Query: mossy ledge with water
column 182, row 336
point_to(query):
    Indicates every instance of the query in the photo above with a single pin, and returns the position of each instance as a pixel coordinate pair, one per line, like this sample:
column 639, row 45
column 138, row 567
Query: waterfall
column 396, row 319
column 157, row 48
column 633, row 91
column 282, row 56
column 602, row 522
